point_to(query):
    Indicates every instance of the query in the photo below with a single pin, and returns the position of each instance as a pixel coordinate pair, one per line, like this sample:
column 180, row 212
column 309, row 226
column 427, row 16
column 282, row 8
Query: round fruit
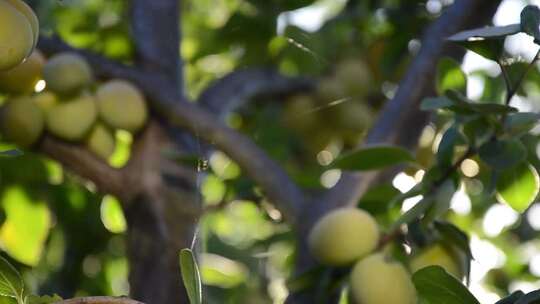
column 45, row 100
column 22, row 121
column 23, row 78
column 27, row 11
column 67, row 73
column 72, row 120
column 101, row 141
column 121, row 105
column 16, row 36
column 343, row 236
column 354, row 75
column 377, row 279
column 330, row 90
column 437, row 255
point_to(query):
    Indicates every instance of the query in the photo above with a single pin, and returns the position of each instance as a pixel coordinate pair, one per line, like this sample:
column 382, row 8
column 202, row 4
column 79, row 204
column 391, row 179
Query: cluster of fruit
column 338, row 110
column 73, row 107
column 350, row 236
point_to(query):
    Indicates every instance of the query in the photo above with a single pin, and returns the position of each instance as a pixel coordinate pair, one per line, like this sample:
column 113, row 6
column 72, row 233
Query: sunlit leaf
column 450, row 76
column 26, row 228
column 518, row 186
column 436, row 286
column 112, row 215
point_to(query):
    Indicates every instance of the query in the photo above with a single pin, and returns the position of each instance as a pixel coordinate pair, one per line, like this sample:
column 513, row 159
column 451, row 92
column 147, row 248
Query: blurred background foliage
column 67, row 239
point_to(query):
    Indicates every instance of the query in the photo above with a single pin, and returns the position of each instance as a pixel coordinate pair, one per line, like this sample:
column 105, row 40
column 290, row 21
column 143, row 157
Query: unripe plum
column 377, row 279
column 343, row 236
column 121, row 105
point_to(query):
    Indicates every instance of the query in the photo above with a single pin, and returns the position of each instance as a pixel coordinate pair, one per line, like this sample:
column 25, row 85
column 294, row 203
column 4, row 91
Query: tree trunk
column 155, row 237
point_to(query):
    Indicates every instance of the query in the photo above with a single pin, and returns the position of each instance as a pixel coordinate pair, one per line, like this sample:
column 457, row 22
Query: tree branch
column 100, row 300
column 274, row 181
column 238, row 87
column 85, row 164
column 267, row 173
column 415, row 86
column 155, row 27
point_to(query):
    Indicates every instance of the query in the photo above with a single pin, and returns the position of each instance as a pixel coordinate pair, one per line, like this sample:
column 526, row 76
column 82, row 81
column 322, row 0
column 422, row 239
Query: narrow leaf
column 518, row 186
column 490, row 32
column 373, row 158
column 191, row 276
column 436, row 286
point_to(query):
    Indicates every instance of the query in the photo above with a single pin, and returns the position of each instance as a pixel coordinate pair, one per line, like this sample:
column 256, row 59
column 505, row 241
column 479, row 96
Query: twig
column 99, row 300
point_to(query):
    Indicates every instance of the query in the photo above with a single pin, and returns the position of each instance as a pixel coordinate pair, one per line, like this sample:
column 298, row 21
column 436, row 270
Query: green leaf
column 517, row 124
column 511, row 299
column 530, row 21
column 450, row 76
column 436, row 103
column 518, row 186
column 191, row 276
column 491, row 49
column 436, row 286
column 502, row 154
column 373, row 158
column 27, row 225
column 530, row 298
column 414, row 213
column 378, row 198
column 445, row 151
column 464, row 105
column 11, row 283
column 490, row 32
column 306, row 279
column 457, row 237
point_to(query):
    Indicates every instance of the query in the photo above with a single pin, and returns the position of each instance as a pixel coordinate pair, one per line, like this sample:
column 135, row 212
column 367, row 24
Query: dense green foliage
column 477, row 158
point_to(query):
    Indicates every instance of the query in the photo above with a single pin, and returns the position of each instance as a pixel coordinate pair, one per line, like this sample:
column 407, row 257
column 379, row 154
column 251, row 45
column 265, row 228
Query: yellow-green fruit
column 23, row 78
column 343, row 236
column 101, row 141
column 354, row 76
column 121, row 105
column 27, row 11
column 437, row 255
column 22, row 121
column 300, row 114
column 67, row 73
column 45, row 100
column 72, row 120
column 16, row 36
column 377, row 279
column 330, row 90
